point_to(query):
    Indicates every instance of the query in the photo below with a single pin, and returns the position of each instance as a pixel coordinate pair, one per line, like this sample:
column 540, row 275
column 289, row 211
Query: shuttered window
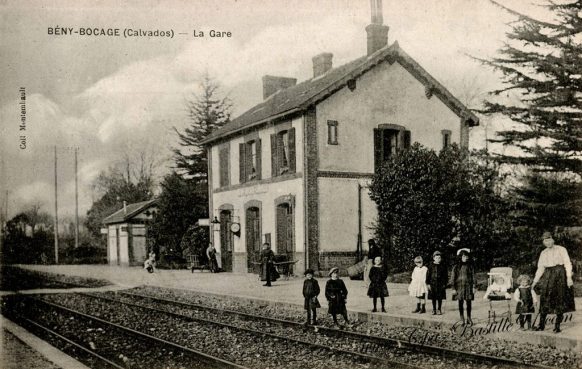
column 250, row 160
column 283, row 152
column 224, row 166
column 446, row 138
column 388, row 142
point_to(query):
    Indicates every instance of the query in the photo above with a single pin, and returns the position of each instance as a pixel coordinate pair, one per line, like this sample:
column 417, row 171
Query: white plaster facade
column 333, row 214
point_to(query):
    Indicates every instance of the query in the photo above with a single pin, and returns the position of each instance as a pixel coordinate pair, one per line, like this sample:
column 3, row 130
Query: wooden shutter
column 274, row 156
column 291, row 157
column 222, row 159
column 406, row 140
column 377, row 149
column 242, row 163
column 258, row 158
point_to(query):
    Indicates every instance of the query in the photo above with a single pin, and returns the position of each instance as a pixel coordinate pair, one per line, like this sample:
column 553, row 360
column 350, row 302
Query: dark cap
column 309, row 271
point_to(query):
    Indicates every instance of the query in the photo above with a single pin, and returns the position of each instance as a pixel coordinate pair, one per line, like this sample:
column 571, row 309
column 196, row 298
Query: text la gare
column 213, row 33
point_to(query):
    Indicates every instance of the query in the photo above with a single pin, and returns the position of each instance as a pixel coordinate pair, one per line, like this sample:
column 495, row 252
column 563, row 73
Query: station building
column 294, row 169
column 126, row 231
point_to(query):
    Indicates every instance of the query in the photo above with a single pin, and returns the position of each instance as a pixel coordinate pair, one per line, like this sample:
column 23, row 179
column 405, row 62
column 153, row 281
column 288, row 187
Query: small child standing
column 417, row 287
column 463, row 282
column 310, row 292
column 378, row 287
column 526, row 299
column 336, row 294
column 437, row 278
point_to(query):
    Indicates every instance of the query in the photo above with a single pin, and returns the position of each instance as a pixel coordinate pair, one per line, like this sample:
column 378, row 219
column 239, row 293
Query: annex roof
column 131, row 210
column 300, row 97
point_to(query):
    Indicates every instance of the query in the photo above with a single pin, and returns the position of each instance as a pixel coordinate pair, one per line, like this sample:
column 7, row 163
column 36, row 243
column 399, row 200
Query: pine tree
column 207, row 113
column 542, row 64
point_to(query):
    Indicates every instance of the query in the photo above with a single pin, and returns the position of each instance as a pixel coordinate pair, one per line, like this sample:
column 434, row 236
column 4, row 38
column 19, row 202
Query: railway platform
column 399, row 305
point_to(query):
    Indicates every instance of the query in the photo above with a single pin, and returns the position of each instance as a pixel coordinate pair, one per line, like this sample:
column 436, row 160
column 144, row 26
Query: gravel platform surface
column 15, row 354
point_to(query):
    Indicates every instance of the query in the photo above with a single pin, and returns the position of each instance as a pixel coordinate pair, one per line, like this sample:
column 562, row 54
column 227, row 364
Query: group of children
column 427, row 282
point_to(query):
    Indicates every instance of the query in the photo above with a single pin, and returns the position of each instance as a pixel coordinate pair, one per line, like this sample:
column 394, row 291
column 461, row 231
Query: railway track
column 375, row 349
column 344, row 358
column 369, row 342
column 113, row 350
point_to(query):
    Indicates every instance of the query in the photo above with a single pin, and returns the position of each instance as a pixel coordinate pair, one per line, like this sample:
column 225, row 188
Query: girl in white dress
column 417, row 286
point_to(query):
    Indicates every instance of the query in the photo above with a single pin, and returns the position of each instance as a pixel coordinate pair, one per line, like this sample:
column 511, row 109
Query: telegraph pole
column 56, row 213
column 76, row 202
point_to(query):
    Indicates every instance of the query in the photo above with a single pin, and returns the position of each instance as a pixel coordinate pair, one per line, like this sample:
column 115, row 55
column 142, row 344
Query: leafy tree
column 180, row 204
column 428, row 201
column 19, row 247
column 116, row 187
column 541, row 65
column 207, row 112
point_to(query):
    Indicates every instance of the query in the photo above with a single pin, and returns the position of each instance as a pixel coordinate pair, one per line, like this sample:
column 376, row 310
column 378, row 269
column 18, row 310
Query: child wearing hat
column 437, row 277
column 463, row 281
column 336, row 294
column 378, row 287
column 310, row 292
column 417, row 287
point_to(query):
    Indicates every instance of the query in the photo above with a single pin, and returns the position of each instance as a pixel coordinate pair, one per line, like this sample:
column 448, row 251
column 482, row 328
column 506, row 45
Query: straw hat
column 334, row 269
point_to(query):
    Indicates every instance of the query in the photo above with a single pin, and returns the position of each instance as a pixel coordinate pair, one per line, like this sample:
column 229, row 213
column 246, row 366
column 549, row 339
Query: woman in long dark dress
column 437, row 277
column 553, row 283
column 463, row 281
column 378, row 287
column 336, row 294
column 212, row 263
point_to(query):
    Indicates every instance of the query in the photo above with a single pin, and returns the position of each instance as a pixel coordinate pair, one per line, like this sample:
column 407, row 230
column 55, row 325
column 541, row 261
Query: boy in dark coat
column 336, row 294
column 310, row 292
column 436, row 281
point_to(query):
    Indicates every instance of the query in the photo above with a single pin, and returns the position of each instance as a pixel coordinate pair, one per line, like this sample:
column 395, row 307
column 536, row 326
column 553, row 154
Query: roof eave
column 284, row 114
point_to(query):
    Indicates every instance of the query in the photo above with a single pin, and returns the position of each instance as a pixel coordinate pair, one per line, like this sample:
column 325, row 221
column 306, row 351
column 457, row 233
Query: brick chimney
column 321, row 64
column 377, row 31
column 272, row 84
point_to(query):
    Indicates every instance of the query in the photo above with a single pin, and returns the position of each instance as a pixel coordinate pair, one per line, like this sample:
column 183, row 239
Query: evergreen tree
column 207, row 112
column 180, row 204
column 542, row 64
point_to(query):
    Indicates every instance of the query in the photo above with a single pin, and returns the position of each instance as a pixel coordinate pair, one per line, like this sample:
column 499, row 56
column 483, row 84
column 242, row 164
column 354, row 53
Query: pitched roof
column 131, row 210
column 300, row 97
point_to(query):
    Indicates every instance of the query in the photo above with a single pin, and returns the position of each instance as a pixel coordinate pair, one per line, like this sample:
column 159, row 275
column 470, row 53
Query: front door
column 285, row 244
column 253, row 239
column 226, row 240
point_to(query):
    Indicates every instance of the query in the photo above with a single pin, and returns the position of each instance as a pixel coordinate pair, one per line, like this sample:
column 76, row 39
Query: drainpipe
column 359, row 245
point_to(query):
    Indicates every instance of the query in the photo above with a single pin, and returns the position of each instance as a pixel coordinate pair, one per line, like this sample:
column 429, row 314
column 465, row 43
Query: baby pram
column 500, row 286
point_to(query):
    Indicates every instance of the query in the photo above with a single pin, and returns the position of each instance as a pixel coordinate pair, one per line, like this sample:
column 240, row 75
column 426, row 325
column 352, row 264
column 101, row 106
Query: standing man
column 268, row 271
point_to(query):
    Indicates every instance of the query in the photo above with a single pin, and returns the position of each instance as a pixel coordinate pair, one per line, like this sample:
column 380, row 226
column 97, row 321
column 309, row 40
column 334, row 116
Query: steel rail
column 83, row 348
column 370, row 358
column 209, row 359
column 383, row 341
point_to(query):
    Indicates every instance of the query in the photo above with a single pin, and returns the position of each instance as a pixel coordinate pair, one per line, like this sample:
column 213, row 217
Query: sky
column 112, row 96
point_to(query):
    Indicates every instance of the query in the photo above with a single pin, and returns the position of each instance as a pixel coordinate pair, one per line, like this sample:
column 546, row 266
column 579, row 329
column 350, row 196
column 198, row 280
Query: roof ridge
column 299, row 97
